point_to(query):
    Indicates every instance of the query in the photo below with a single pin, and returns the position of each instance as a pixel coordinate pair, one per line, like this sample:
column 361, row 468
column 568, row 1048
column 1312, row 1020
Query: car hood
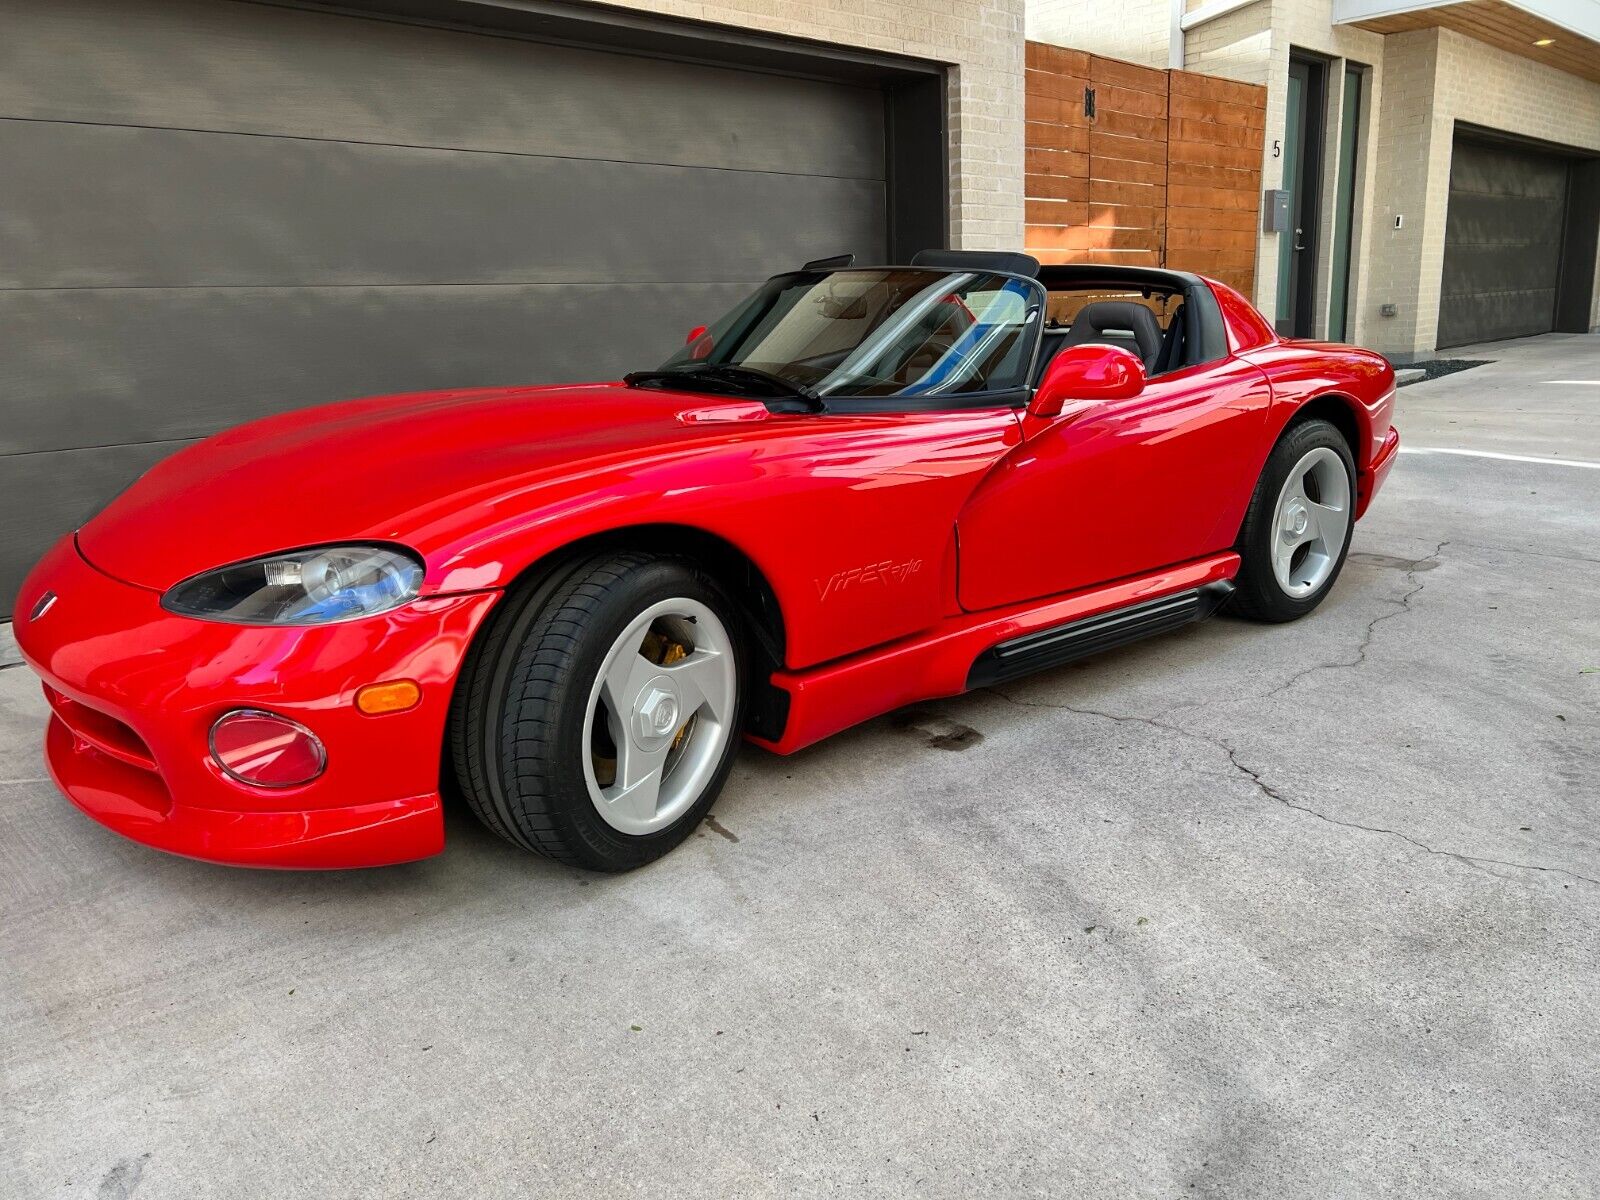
column 387, row 468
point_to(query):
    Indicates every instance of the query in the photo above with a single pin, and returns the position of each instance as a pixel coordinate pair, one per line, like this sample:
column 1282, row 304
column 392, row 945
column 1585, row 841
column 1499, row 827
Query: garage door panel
column 155, row 364
column 210, row 212
column 1509, row 314
column 260, row 69
column 1499, row 170
column 184, row 208
column 1503, row 235
column 1505, row 267
column 1476, row 218
column 43, row 495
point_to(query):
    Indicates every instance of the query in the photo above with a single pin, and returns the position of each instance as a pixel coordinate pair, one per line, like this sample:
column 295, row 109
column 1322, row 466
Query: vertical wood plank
column 1166, row 173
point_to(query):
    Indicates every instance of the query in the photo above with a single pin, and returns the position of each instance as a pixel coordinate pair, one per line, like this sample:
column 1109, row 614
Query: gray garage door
column 211, row 211
column 1502, row 251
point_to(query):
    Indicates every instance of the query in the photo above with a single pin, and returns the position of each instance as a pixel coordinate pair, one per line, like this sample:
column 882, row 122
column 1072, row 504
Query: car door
column 1110, row 489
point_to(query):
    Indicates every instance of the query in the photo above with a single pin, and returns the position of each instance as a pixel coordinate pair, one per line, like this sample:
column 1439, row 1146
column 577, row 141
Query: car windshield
column 879, row 332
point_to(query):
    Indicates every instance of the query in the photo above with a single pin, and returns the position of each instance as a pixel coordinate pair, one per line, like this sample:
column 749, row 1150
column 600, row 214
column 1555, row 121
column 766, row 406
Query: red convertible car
column 863, row 487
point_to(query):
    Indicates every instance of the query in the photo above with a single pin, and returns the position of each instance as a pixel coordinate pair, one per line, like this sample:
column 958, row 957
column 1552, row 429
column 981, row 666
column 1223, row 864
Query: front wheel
column 598, row 715
column 1297, row 530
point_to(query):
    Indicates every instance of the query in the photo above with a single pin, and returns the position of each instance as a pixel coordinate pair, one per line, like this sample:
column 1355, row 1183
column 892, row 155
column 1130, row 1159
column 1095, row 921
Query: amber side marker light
column 397, row 695
column 1545, row 42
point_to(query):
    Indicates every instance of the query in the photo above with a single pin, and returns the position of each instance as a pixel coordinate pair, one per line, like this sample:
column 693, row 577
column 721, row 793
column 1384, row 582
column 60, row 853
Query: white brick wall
column 1253, row 44
column 1404, row 160
column 1236, row 46
column 981, row 39
column 1416, row 87
column 1134, row 30
column 1250, row 44
column 1443, row 77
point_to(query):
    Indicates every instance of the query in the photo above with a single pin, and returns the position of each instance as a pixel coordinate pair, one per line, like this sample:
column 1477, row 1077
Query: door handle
column 1298, row 244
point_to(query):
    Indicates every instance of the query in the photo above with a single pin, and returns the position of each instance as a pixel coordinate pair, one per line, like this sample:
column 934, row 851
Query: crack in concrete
column 1522, row 550
column 1476, row 861
column 1473, row 860
column 1402, row 606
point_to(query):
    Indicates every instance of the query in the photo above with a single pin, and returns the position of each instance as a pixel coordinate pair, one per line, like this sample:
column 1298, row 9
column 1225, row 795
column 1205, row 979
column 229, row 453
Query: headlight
column 301, row 587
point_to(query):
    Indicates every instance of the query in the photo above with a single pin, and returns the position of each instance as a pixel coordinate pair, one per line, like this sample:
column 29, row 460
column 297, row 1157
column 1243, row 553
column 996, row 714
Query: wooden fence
column 1144, row 167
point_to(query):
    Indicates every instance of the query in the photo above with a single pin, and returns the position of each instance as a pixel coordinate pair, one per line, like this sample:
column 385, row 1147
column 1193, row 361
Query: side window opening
column 1147, row 322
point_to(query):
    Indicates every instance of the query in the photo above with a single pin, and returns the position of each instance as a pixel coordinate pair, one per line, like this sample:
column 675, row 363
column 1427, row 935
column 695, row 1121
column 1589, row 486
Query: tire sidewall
column 1269, row 598
column 574, row 811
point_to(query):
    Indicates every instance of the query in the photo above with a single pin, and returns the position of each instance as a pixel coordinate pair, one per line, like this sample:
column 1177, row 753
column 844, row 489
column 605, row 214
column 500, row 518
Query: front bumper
column 1369, row 481
column 134, row 690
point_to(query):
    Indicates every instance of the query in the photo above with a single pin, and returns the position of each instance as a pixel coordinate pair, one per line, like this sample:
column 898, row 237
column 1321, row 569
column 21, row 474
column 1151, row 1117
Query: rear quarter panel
column 1301, row 372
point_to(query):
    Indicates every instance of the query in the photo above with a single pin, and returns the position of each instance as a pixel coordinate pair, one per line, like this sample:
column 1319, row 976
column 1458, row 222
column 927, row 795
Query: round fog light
column 263, row 749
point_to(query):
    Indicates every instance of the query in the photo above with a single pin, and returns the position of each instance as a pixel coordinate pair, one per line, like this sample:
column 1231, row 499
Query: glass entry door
column 1302, row 170
column 1344, row 206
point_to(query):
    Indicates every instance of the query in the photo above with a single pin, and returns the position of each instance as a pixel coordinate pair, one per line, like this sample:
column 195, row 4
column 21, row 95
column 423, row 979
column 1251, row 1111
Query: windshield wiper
column 731, row 373
column 736, row 371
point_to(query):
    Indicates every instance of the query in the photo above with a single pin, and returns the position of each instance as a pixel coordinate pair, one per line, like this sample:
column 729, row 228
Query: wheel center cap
column 655, row 716
column 1295, row 519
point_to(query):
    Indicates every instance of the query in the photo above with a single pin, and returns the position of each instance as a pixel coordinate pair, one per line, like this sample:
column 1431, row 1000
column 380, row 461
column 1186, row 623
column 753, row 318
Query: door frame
column 1348, row 173
column 1302, row 241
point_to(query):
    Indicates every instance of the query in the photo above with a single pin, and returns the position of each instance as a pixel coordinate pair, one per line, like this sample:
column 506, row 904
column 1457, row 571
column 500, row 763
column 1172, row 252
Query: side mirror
column 1087, row 372
column 702, row 344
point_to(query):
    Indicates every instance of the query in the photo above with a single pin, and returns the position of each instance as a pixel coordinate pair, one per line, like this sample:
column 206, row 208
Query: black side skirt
column 1090, row 635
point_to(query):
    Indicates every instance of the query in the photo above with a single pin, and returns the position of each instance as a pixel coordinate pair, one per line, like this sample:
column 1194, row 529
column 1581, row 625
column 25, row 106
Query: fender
column 1360, row 382
column 1303, row 372
column 849, row 516
column 844, row 519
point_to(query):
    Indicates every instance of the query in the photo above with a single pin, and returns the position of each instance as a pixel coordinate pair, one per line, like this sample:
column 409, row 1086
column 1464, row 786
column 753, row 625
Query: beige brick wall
column 1253, row 44
column 1416, row 86
column 1445, row 77
column 1250, row 44
column 1136, row 31
column 1236, row 46
column 1308, row 25
column 1405, row 159
column 981, row 39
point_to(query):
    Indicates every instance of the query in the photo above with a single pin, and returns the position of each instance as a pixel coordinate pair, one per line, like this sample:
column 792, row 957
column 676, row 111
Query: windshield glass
column 878, row 332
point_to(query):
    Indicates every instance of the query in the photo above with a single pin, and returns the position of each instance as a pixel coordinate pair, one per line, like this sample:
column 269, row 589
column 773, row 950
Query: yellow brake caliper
column 663, row 652
column 676, row 652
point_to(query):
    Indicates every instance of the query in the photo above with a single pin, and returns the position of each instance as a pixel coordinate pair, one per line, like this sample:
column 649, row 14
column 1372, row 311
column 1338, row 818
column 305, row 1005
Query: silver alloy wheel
column 659, row 719
column 1310, row 523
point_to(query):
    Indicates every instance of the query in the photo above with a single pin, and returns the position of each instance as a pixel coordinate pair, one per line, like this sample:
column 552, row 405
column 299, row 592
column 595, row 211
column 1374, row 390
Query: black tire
column 517, row 717
column 1258, row 596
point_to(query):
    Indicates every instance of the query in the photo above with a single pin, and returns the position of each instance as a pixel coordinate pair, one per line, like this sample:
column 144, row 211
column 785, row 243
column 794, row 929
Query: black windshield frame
column 738, row 323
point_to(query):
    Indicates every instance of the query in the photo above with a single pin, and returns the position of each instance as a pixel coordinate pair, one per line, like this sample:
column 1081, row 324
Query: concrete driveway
column 1310, row 910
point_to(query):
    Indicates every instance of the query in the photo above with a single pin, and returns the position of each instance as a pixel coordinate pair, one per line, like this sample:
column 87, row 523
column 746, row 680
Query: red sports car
column 863, row 487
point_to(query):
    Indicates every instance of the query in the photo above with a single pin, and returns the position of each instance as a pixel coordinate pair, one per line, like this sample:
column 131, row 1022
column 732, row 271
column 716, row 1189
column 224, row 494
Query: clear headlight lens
column 301, row 587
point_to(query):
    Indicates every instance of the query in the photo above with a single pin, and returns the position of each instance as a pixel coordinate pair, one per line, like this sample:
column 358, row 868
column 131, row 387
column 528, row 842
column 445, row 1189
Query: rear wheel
column 1297, row 530
column 596, row 719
